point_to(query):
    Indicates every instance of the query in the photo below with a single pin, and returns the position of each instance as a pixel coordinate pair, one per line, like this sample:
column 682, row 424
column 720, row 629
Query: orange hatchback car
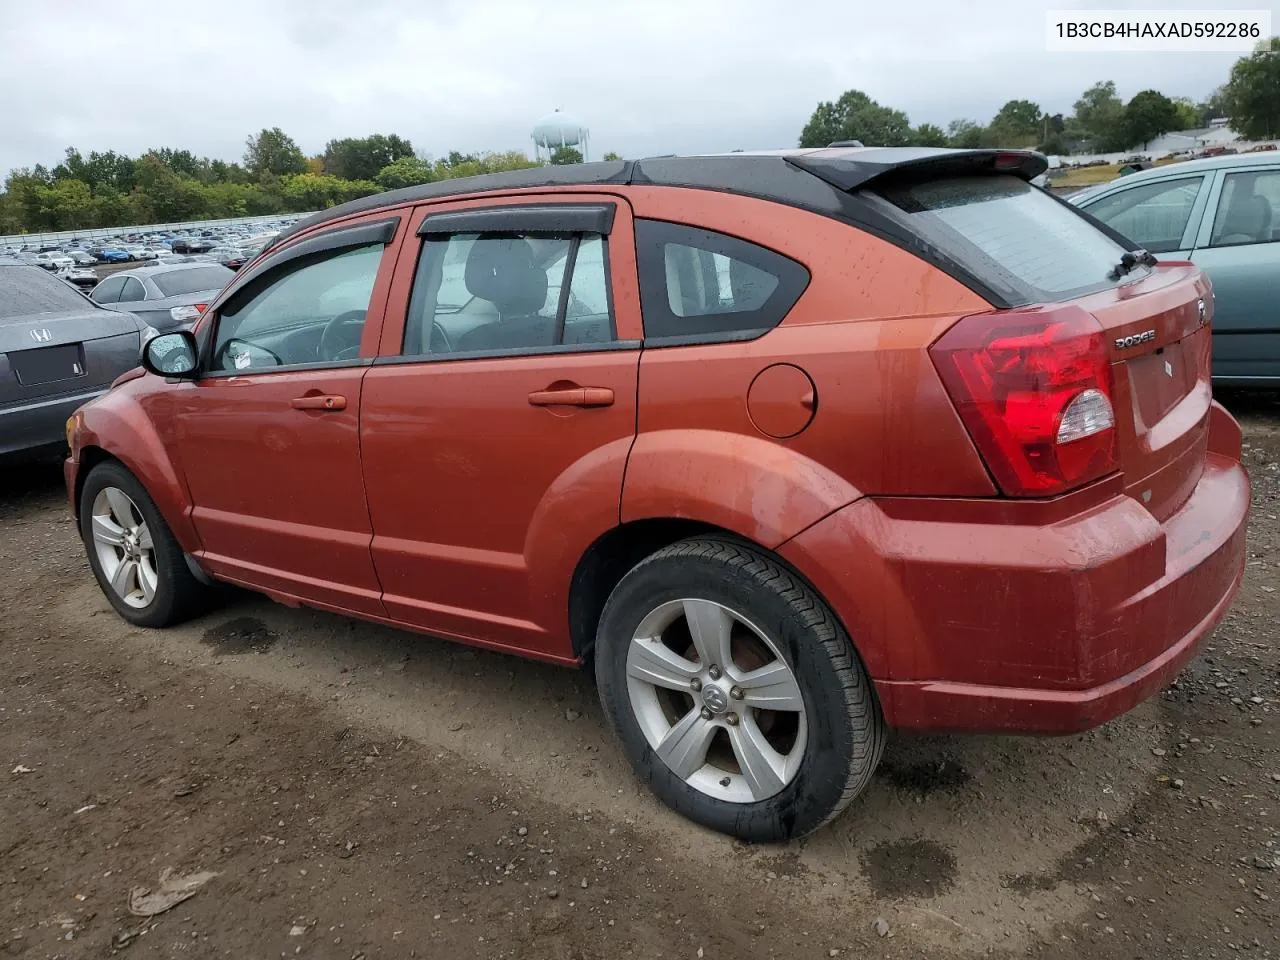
column 792, row 448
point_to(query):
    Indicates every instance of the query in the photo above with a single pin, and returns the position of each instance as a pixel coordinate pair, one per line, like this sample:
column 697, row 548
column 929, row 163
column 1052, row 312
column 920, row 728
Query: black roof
column 813, row 179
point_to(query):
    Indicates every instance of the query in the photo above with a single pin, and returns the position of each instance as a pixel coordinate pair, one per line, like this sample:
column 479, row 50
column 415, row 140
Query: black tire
column 846, row 731
column 179, row 595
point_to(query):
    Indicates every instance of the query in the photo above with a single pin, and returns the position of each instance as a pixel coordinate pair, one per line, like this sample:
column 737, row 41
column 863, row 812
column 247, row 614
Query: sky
column 646, row 76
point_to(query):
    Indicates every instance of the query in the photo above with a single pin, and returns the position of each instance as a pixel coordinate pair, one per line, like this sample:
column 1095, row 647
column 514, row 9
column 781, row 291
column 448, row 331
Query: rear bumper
column 931, row 705
column 40, row 423
column 1032, row 618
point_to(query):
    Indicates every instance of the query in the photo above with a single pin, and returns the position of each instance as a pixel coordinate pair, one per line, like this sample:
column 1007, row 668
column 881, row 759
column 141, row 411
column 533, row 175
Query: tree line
column 1101, row 121
column 166, row 185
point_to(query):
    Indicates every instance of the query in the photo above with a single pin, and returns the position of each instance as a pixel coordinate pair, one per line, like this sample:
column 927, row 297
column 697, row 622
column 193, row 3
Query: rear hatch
column 1037, row 257
column 1159, row 341
column 55, row 341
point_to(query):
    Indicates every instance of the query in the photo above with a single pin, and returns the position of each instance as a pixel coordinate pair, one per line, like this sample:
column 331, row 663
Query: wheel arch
column 117, row 428
column 617, row 552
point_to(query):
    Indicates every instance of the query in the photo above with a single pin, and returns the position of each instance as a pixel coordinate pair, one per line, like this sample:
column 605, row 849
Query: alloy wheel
column 716, row 700
column 124, row 547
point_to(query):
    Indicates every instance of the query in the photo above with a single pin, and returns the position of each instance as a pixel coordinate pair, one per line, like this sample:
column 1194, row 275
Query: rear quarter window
column 1024, row 244
column 177, row 283
column 700, row 286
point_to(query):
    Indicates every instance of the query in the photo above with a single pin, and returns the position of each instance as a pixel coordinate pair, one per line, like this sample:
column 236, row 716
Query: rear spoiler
column 850, row 170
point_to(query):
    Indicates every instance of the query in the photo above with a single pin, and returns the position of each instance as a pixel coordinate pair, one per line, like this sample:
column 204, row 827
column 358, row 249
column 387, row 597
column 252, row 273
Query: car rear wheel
column 138, row 563
column 737, row 695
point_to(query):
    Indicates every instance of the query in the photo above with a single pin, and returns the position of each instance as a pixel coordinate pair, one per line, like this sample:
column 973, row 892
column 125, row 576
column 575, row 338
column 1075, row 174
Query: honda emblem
column 41, row 335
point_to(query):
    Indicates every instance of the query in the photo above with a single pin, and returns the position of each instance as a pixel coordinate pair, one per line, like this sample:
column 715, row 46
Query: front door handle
column 573, row 397
column 323, row 401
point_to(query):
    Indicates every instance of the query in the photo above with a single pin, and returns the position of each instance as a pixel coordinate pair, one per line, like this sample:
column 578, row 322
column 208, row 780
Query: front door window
column 311, row 312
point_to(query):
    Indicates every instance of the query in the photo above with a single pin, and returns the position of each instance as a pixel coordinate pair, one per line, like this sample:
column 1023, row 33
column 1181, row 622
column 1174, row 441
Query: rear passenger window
column 108, row 291
column 132, row 291
column 1152, row 215
column 1247, row 209
column 509, row 293
column 702, row 286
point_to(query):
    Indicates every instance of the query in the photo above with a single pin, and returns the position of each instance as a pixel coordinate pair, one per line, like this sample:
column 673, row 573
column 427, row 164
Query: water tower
column 559, row 129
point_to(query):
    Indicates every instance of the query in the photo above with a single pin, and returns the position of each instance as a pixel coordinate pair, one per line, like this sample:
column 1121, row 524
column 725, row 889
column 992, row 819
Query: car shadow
column 25, row 479
column 1250, row 404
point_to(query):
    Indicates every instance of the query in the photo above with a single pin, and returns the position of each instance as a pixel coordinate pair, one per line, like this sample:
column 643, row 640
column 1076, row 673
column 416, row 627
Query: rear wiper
column 1131, row 259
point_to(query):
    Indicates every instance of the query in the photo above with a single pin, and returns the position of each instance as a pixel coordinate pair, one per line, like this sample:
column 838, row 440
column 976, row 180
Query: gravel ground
column 360, row 792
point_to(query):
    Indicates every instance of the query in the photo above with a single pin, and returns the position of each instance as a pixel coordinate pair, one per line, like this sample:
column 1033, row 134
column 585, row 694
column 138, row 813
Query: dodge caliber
column 790, row 449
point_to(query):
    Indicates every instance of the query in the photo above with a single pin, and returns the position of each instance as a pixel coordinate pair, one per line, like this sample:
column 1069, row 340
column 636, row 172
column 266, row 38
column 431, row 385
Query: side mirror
column 171, row 354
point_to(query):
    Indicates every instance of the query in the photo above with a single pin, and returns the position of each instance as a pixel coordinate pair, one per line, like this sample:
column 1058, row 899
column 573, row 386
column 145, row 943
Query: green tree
column 404, row 172
column 316, row 191
column 181, row 162
column 73, row 167
column 273, row 153
column 470, row 165
column 1252, row 95
column 111, row 208
column 360, row 158
column 612, row 155
column 1099, row 118
column 855, row 116
column 1212, row 107
column 23, row 188
column 10, row 214
column 563, row 154
column 1188, row 113
column 1148, row 115
column 110, row 169
column 163, row 196
column 66, row 204
column 929, row 135
column 1055, row 144
column 966, row 133
column 1017, row 124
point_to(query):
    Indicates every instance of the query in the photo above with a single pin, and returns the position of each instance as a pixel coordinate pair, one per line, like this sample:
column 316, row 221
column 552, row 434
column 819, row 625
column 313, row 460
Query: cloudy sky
column 647, row 76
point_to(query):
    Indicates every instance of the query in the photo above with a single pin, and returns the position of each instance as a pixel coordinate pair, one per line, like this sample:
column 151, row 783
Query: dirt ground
column 360, row 792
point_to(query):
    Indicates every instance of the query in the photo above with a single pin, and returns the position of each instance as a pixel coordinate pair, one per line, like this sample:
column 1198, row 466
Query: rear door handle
column 325, row 401
column 573, row 397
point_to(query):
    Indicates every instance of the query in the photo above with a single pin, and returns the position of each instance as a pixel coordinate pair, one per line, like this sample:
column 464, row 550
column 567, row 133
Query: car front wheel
column 735, row 692
column 134, row 556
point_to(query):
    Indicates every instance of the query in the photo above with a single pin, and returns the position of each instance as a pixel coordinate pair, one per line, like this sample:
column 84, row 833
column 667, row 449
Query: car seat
column 1247, row 220
column 693, row 288
column 503, row 272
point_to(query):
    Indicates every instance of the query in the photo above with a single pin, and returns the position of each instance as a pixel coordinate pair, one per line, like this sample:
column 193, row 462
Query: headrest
column 1248, row 216
column 502, row 271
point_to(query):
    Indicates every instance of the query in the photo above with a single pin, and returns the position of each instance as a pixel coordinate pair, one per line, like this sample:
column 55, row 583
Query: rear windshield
column 25, row 291
column 1012, row 236
column 175, row 283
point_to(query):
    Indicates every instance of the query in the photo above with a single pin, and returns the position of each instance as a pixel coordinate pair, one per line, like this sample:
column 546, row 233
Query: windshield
column 1012, row 236
column 25, row 291
column 175, row 283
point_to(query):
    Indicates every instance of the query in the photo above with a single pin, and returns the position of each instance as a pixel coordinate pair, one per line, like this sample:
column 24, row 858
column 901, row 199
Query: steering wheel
column 229, row 349
column 341, row 337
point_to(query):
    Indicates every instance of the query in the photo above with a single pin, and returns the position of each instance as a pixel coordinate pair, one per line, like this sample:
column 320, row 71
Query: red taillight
column 1036, row 393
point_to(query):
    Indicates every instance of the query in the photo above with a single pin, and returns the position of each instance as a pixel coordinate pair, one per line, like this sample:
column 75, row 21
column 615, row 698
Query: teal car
column 1222, row 213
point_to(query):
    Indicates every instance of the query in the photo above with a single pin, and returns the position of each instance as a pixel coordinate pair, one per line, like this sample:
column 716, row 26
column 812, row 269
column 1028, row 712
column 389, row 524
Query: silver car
column 1223, row 214
column 167, row 296
column 58, row 350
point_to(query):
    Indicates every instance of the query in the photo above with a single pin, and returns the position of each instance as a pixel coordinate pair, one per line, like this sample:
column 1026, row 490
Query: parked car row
column 229, row 243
